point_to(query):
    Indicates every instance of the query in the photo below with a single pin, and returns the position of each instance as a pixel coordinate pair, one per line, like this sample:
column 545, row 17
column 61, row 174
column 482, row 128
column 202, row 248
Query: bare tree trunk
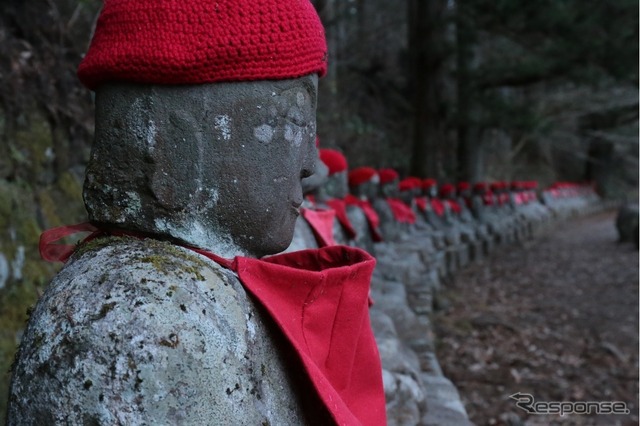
column 426, row 37
column 469, row 147
column 328, row 87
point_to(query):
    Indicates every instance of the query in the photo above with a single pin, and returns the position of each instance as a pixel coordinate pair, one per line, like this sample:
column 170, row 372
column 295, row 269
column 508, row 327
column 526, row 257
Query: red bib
column 372, row 216
column 437, row 206
column 401, row 212
column 340, row 207
column 321, row 222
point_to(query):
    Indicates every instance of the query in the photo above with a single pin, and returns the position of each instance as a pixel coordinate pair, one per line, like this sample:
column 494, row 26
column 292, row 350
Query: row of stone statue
column 464, row 222
column 421, row 233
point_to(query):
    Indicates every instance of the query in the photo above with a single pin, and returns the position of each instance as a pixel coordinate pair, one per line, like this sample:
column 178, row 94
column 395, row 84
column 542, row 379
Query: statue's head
column 464, row 189
column 364, row 182
column 480, row 188
column 389, row 179
column 205, row 127
column 430, row 187
column 447, row 191
column 409, row 188
column 319, row 177
column 336, row 184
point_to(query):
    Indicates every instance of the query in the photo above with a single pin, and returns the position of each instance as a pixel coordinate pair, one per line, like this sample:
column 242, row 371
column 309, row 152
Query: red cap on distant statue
column 429, row 183
column 387, row 175
column 334, row 160
column 360, row 175
column 409, row 183
column 447, row 189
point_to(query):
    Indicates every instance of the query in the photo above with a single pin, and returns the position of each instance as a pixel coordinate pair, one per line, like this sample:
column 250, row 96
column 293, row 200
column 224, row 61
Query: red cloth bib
column 454, row 206
column 319, row 299
column 340, row 207
column 437, row 206
column 321, row 222
column 372, row 216
column 401, row 212
column 487, row 199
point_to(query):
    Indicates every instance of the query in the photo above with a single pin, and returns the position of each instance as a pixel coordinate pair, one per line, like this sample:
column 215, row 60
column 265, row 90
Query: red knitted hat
column 429, row 183
column 496, row 186
column 361, row 175
column 463, row 186
column 204, row 41
column 409, row 183
column 387, row 175
column 481, row 186
column 447, row 189
column 334, row 160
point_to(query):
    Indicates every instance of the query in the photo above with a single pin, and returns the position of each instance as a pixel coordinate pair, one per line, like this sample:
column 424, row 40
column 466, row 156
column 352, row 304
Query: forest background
column 450, row 89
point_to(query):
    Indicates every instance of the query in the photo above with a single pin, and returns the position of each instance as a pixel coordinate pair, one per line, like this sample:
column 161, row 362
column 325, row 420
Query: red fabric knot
column 52, row 252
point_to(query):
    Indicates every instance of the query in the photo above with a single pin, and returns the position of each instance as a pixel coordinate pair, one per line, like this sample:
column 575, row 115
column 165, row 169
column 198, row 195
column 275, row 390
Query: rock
column 627, row 223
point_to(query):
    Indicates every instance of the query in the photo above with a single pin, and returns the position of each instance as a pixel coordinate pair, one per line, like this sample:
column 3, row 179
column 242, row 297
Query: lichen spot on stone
column 300, row 99
column 263, row 133
column 293, row 135
column 222, row 124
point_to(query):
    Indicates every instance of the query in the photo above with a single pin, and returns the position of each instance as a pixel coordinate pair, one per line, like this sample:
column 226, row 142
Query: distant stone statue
column 205, row 128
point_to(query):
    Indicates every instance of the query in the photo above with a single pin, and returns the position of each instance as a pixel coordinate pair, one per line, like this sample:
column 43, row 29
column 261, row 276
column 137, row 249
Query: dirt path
column 556, row 318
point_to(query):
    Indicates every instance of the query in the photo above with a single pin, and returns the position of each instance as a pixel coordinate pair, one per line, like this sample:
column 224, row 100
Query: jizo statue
column 169, row 313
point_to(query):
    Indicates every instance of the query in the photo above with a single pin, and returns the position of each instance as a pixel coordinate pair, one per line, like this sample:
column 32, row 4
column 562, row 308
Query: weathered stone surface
column 218, row 166
column 132, row 331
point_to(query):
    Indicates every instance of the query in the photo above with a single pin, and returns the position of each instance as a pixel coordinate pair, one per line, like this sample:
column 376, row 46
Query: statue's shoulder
column 135, row 330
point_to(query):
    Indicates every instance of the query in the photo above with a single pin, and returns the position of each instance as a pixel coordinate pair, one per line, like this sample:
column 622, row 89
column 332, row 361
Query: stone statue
column 204, row 132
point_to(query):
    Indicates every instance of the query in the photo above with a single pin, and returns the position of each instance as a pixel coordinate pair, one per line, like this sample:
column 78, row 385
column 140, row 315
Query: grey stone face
column 389, row 189
column 317, row 179
column 336, row 186
column 368, row 190
column 217, row 166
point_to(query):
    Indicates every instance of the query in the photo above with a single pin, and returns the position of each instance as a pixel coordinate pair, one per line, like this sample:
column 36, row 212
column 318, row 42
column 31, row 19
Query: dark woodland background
column 451, row 89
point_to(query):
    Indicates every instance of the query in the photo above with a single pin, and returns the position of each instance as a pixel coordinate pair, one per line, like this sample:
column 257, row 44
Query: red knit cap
column 481, row 186
column 496, row 186
column 447, row 189
column 429, row 183
column 204, row 41
column 463, row 186
column 361, row 175
column 409, row 183
column 334, row 160
column 387, row 175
